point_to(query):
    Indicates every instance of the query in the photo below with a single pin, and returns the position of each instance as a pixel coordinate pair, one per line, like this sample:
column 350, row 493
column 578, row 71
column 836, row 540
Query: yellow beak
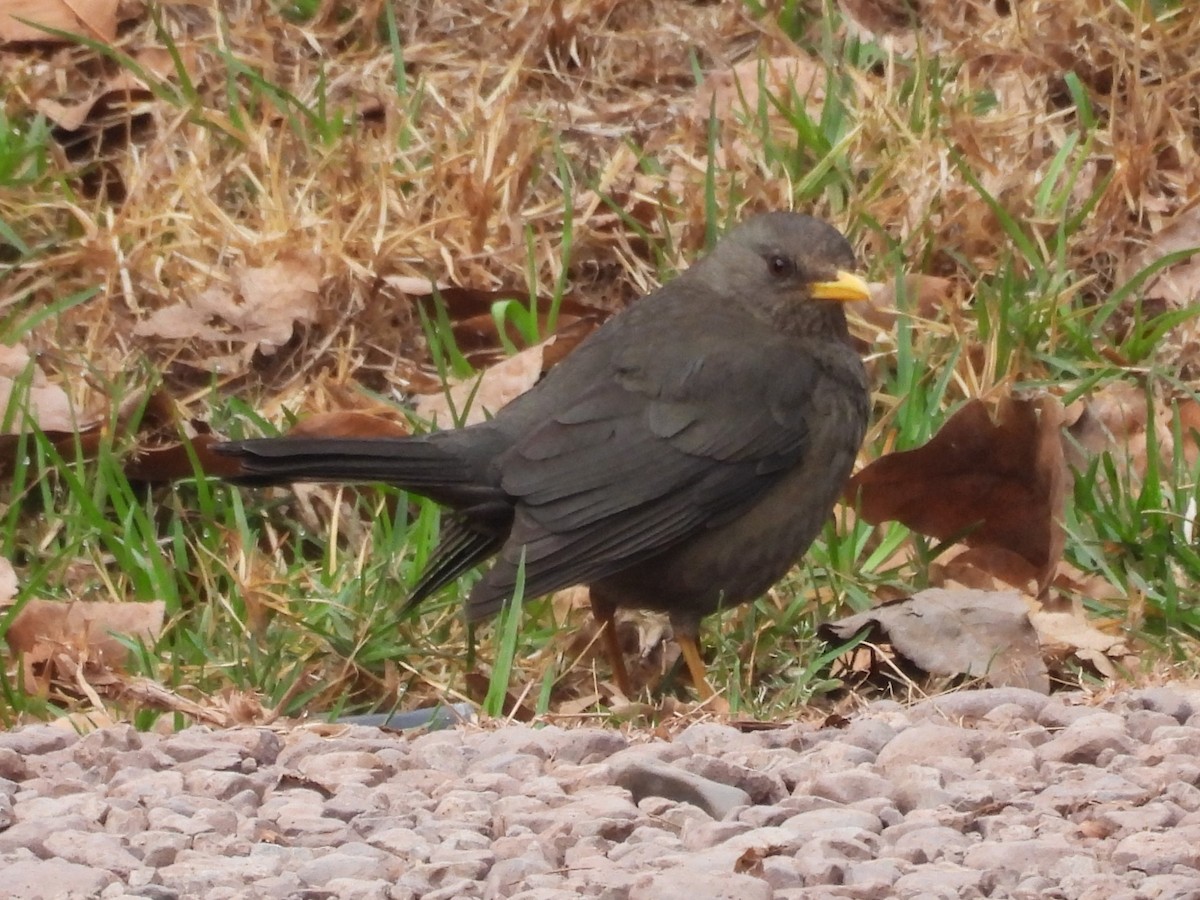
column 847, row 287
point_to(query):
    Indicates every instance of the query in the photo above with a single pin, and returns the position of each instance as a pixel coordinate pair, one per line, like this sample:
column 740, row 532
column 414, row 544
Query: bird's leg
column 605, row 614
column 690, row 648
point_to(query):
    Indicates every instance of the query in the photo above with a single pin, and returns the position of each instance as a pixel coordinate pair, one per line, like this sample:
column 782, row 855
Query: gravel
column 993, row 793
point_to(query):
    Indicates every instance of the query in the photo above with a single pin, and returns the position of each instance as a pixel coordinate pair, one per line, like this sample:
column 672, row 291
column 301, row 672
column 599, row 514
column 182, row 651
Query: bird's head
column 788, row 269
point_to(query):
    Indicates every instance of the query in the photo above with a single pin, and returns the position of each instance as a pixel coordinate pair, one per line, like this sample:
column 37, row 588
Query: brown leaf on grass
column 924, row 296
column 986, row 568
column 991, row 481
column 63, row 638
column 260, row 307
column 118, row 96
column 1109, row 417
column 1178, row 284
column 477, row 398
column 165, row 442
column 883, row 17
column 475, row 329
column 8, row 583
column 47, row 406
column 976, row 634
column 348, row 424
column 736, row 91
column 93, row 18
column 1115, row 418
column 1088, row 585
column 1068, row 635
column 173, row 461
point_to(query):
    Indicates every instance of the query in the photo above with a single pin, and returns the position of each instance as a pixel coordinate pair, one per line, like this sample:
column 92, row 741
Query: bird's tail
column 413, row 463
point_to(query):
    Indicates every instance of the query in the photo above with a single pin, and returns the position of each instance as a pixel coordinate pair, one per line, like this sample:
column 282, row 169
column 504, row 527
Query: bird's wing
column 667, row 445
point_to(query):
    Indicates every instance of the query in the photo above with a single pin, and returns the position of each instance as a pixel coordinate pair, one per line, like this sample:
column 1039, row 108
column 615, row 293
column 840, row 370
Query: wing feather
column 647, row 458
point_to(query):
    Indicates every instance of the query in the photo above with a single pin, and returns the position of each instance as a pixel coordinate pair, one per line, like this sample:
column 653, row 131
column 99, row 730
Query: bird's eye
column 780, row 265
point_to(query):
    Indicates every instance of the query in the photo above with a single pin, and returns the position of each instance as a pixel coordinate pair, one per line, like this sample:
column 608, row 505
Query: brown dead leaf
column 1088, row 585
column 987, row 568
column 260, row 308
column 1112, row 416
column 1114, row 419
column 475, row 330
column 47, row 406
column 736, row 91
column 348, row 424
column 1066, row 635
column 993, row 481
column 172, row 462
column 165, row 442
column 82, row 632
column 977, row 634
column 94, row 18
column 924, row 296
column 8, row 583
column 1179, row 283
column 481, row 396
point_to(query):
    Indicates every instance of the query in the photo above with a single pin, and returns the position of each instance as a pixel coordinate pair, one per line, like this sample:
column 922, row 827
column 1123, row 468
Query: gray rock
column 99, row 851
column 851, row 786
column 763, row 787
column 1165, row 700
column 818, row 821
column 922, row 743
column 12, row 765
column 1158, row 853
column 53, row 879
column 930, row 844
column 645, row 777
column 1084, row 741
column 940, row 881
column 684, row 883
column 975, row 704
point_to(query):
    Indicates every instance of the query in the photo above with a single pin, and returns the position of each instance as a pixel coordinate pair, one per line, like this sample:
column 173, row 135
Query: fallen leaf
column 46, row 406
column 173, row 461
column 166, row 442
column 736, row 91
column 260, row 308
column 475, row 328
column 1115, row 419
column 82, row 632
column 923, row 295
column 348, row 424
column 478, row 398
column 991, row 482
column 8, row 582
column 93, row 18
column 976, row 634
column 986, row 568
column 1066, row 635
column 1178, row 283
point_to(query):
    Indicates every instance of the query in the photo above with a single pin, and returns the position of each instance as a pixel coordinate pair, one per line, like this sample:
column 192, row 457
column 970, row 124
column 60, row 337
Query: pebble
column 997, row 792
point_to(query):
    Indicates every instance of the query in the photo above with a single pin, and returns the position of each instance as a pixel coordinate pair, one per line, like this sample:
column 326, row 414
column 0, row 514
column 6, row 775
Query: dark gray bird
column 681, row 459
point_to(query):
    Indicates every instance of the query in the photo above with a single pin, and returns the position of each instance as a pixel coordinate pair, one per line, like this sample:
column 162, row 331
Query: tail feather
column 414, row 463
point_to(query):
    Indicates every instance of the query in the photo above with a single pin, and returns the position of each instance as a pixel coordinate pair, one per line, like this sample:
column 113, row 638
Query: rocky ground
column 994, row 793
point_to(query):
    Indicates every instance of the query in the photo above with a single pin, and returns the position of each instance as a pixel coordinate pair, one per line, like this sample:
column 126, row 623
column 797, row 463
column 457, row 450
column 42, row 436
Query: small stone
column 1084, row 741
column 684, row 883
column 648, row 777
column 1158, row 853
column 51, row 879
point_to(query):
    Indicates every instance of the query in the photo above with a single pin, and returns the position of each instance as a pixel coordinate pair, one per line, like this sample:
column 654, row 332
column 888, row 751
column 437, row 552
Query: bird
column 681, row 459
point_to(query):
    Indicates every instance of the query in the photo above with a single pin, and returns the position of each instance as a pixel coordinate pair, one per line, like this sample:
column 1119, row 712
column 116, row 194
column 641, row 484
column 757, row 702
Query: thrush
column 681, row 459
